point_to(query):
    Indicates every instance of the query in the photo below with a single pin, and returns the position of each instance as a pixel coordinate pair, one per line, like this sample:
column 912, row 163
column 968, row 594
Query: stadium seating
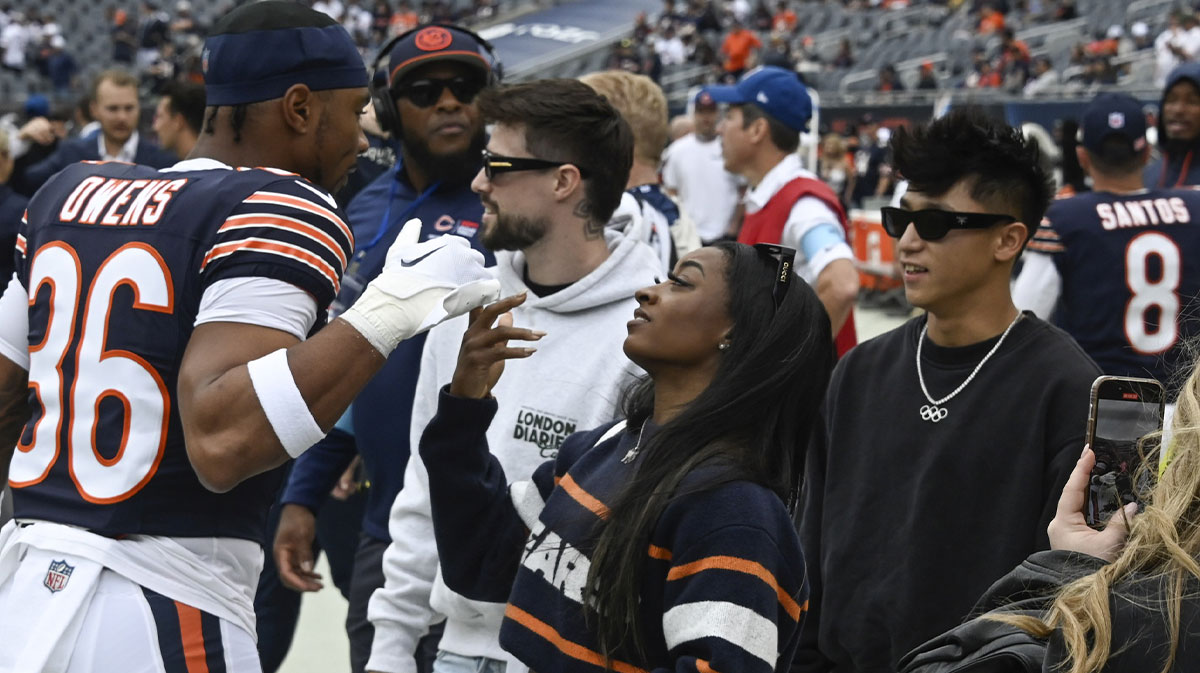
column 87, row 30
column 905, row 38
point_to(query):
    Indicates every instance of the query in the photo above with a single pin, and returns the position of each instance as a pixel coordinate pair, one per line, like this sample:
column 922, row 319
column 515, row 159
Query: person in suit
column 114, row 96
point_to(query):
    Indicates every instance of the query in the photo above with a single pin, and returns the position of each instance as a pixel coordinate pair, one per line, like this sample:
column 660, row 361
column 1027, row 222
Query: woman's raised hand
column 485, row 348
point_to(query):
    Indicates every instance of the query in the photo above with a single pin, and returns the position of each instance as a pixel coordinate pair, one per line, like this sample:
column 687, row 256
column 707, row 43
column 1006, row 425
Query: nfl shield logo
column 1116, row 120
column 57, row 576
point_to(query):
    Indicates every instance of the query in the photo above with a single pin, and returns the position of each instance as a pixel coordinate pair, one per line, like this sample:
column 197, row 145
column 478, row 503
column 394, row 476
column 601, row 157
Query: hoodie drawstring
column 1187, row 162
column 1183, row 170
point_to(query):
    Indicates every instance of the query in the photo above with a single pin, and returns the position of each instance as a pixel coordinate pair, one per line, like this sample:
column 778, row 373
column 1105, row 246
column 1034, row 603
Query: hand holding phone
column 1122, row 411
column 1070, row 532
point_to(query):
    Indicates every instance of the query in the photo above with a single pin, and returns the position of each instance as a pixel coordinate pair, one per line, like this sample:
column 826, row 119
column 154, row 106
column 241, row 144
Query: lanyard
column 385, row 224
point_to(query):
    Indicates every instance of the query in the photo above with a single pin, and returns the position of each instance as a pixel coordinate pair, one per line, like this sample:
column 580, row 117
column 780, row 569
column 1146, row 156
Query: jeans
column 448, row 662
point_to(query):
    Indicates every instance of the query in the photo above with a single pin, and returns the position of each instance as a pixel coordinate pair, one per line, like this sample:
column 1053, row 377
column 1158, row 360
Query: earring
column 723, row 347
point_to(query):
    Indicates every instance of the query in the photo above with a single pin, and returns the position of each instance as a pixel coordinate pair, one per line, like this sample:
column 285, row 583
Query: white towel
column 44, row 597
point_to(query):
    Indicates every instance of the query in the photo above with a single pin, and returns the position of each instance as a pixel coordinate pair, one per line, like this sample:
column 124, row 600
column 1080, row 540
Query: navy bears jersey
column 115, row 259
column 1130, row 268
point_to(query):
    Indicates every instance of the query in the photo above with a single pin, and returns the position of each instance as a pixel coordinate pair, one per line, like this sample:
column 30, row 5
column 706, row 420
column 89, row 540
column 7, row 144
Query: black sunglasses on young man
column 428, row 91
column 933, row 224
column 786, row 258
column 495, row 164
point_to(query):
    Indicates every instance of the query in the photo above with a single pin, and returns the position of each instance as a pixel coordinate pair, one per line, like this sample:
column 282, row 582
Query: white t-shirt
column 14, row 39
column 331, row 8
column 357, row 20
column 1038, row 286
column 708, row 193
column 671, row 51
column 1165, row 59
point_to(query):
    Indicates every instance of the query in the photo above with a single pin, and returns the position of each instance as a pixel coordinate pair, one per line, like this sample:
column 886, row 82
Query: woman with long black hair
column 664, row 541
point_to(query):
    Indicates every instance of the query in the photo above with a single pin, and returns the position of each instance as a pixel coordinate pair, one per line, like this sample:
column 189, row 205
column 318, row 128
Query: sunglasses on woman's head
column 933, row 224
column 786, row 259
column 427, row 92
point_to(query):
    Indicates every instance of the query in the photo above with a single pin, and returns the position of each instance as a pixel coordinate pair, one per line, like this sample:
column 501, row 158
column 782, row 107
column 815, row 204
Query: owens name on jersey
column 1130, row 270
column 115, row 259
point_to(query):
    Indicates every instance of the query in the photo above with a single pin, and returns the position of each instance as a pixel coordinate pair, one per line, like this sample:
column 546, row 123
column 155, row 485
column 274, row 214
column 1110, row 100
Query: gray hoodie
column 572, row 383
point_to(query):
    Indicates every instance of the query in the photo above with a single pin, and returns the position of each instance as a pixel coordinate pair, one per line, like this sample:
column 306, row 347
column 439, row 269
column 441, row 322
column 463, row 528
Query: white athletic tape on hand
column 385, row 321
column 286, row 410
column 421, row 285
column 463, row 300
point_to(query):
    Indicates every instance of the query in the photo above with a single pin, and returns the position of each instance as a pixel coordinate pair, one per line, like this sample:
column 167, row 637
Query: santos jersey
column 115, row 259
column 1130, row 270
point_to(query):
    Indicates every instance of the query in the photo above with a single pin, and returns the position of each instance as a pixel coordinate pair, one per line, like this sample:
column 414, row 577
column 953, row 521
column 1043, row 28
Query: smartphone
column 1122, row 411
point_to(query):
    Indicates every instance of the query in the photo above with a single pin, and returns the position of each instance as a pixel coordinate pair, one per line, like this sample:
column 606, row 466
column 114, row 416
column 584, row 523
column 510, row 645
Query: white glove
column 421, row 285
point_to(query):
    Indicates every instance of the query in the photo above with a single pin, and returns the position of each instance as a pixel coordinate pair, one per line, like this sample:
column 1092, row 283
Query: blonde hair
column 833, row 145
column 1162, row 547
column 642, row 103
column 119, row 78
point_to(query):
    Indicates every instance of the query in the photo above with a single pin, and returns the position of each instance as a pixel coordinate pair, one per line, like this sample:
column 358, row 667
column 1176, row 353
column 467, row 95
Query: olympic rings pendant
column 933, row 413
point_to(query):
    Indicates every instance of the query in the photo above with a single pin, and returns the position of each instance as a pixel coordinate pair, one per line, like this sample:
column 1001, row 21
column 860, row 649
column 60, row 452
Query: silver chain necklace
column 934, row 412
column 632, row 453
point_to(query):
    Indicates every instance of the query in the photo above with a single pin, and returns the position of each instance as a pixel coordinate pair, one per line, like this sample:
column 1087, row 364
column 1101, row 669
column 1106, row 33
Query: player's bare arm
column 14, row 410
column 228, row 435
column 248, row 393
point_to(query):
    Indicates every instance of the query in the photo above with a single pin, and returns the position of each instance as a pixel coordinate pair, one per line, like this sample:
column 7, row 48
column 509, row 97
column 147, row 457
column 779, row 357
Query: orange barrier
column 874, row 251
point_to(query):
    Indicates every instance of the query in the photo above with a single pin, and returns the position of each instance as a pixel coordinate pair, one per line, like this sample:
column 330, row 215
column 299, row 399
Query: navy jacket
column 85, row 148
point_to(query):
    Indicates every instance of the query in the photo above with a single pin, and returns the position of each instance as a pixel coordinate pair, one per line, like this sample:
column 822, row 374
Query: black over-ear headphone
column 381, row 85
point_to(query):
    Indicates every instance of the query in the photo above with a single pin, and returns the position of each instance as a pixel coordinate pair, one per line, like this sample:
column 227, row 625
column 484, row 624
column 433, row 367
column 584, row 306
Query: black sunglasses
column 786, row 257
column 934, row 224
column 427, row 92
column 495, row 164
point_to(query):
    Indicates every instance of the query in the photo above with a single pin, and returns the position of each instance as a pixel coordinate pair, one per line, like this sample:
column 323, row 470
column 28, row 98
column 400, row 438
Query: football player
column 156, row 325
column 1112, row 264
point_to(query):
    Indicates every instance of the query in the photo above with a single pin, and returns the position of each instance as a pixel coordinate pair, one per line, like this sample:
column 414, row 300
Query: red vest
column 766, row 226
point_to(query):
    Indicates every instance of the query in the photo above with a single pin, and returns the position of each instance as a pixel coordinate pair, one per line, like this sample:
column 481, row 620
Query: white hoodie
column 572, row 383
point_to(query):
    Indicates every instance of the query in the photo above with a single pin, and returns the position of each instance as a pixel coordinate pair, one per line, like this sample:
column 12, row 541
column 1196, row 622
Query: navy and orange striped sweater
column 724, row 589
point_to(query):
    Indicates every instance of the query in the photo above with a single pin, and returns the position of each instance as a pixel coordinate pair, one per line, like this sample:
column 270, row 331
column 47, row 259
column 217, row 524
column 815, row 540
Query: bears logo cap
column 436, row 43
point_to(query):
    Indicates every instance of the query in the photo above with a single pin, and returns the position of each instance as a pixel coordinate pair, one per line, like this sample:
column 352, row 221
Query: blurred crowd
column 36, row 42
column 855, row 163
column 730, row 36
column 162, row 42
column 726, row 37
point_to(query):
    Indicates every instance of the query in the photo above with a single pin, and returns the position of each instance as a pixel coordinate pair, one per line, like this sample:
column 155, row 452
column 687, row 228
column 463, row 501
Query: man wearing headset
column 423, row 93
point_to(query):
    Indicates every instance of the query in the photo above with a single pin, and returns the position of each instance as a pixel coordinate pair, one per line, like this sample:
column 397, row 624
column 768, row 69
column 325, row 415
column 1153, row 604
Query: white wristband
column 286, row 410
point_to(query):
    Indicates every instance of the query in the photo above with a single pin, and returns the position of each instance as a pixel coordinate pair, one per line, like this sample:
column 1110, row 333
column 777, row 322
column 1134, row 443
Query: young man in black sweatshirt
column 948, row 439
